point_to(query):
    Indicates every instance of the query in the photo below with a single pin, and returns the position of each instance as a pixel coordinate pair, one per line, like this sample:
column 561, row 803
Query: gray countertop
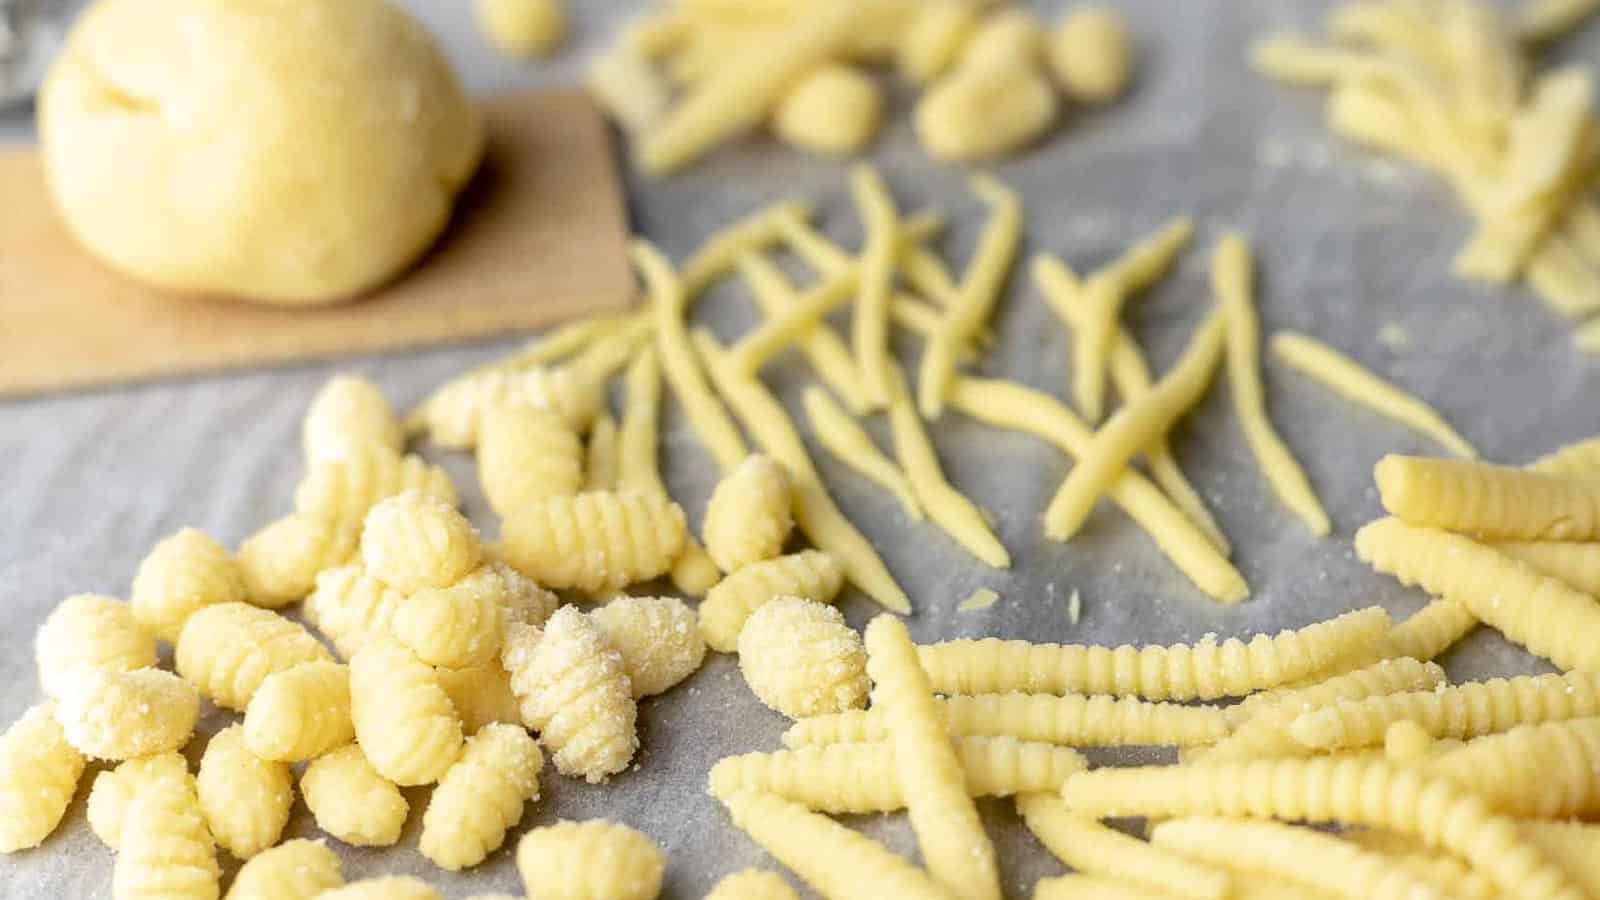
column 1348, row 245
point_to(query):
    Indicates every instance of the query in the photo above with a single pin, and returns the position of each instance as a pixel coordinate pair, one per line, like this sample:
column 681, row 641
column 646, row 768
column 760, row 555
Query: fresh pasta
column 935, row 39
column 294, row 870
column 828, row 354
column 167, row 852
column 720, row 252
column 227, row 650
column 403, row 719
column 184, row 572
column 572, row 687
column 90, row 630
column 481, row 695
column 1429, row 631
column 1406, row 742
column 600, row 456
column 39, row 772
column 593, row 860
column 849, row 443
column 985, row 110
column 1092, row 54
column 834, row 110
column 300, row 713
column 460, row 625
column 594, row 541
column 1495, row 502
column 1096, row 849
column 245, row 799
column 108, row 714
column 869, row 323
column 801, row 659
column 658, row 637
column 412, row 541
column 351, row 608
column 384, row 887
column 453, row 416
column 624, row 85
column 753, row 884
column 347, row 412
column 1576, row 563
column 481, row 796
column 1386, row 676
column 351, row 801
column 640, row 431
column 808, row 575
column 749, row 515
column 525, row 455
column 114, row 790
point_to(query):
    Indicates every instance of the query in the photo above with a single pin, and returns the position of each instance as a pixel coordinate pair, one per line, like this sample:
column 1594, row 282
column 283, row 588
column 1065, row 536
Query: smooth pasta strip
column 624, row 85
column 849, row 443
column 1577, row 564
column 1095, row 849
column 1544, row 771
column 1430, row 631
column 1541, row 613
column 1006, row 404
column 980, row 290
column 869, row 325
column 814, row 510
column 1495, row 502
column 1331, row 789
column 720, row 252
column 860, row 778
column 1231, row 281
column 1204, row 671
column 1349, row 379
column 829, row 356
column 1291, row 60
column 39, row 772
column 1075, row 719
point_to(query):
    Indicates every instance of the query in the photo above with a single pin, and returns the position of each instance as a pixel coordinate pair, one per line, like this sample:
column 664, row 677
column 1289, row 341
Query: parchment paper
column 1348, row 244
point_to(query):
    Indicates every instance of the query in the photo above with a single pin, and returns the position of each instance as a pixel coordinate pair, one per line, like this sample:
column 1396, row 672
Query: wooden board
column 540, row 235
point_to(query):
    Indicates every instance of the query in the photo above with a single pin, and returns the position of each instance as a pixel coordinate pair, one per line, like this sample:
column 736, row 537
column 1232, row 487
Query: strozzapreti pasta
column 573, row 688
column 39, row 772
column 594, row 541
column 114, row 790
column 184, row 572
column 300, row 713
column 227, row 650
column 167, row 852
column 351, row 801
column 90, row 630
column 808, row 575
column 748, row 516
column 658, row 637
column 245, row 799
column 115, row 715
column 293, row 870
column 404, row 722
column 593, row 860
column 412, row 541
column 801, row 659
column 481, row 796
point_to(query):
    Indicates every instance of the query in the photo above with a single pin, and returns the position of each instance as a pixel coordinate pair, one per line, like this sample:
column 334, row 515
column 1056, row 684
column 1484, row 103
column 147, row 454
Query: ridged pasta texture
column 167, row 853
column 351, row 801
column 182, row 573
column 593, row 860
column 573, row 689
column 1093, row 848
column 300, row 713
column 861, row 778
column 1546, row 771
column 245, row 798
column 458, row 625
column 347, row 413
column 293, row 870
column 115, row 715
column 1576, row 563
column 481, row 797
column 526, row 455
column 385, row 887
column 749, row 515
column 351, row 608
column 281, row 562
column 39, row 773
column 809, row 575
column 412, row 541
column 1429, row 631
column 1488, row 501
column 114, row 790
column 403, row 718
column 1352, row 791
column 227, row 650
column 594, row 541
column 1203, row 671
column 454, row 415
column 801, row 659
column 90, row 630
column 658, row 637
column 1576, row 460
column 481, row 695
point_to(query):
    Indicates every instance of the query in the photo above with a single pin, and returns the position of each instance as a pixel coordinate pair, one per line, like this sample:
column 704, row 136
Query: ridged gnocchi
column 114, row 790
column 182, row 573
column 227, row 650
column 412, row 541
column 351, row 608
column 293, row 870
column 573, row 689
column 348, row 412
column 403, row 718
column 90, row 630
column 39, row 772
column 454, row 415
column 526, row 455
column 167, row 853
column 115, row 715
column 351, row 801
column 458, row 625
column 245, row 799
column 753, row 884
column 595, row 541
column 481, row 695
column 300, row 713
column 801, row 659
column 593, row 860
column 658, row 637
column 384, row 887
column 749, row 515
column 808, row 575
column 481, row 796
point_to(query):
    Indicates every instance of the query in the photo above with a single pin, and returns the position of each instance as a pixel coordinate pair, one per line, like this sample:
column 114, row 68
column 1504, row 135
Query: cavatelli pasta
column 748, row 517
column 752, row 884
column 525, row 455
column 595, row 541
column 593, row 860
column 480, row 695
column 458, row 625
column 1545, row 771
column 573, row 689
column 124, row 715
column 184, row 572
column 1576, row 563
column 412, row 541
column 384, row 887
column 294, row 870
column 1487, row 501
column 801, row 659
column 658, row 637
column 227, row 650
column 90, row 630
column 1096, row 849
column 403, row 718
column 114, row 790
column 453, row 415
column 351, row 801
column 860, row 778
column 245, row 799
column 352, row 608
column 300, row 713
column 808, row 575
column 1203, row 671
column 167, row 852
column 481, row 796
column 39, row 773
column 347, row 412
column 1429, row 631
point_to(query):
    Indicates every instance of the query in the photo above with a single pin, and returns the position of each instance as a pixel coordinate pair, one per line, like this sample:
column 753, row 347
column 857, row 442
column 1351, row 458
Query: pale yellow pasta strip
column 980, row 290
column 922, row 319
column 720, row 252
column 1135, row 426
column 928, row 274
column 1429, row 631
column 849, row 443
column 1448, row 872
column 828, row 355
column 1576, row 460
column 1544, row 771
column 814, row 510
column 1577, row 564
column 1292, row 60
column 1231, row 281
column 1348, row 378
column 1563, row 279
column 1540, row 21
column 627, row 88
column 955, row 847
column 1095, row 849
column 706, row 415
column 869, row 326
column 655, row 35
column 601, row 463
column 1574, row 846
column 1006, row 404
column 637, row 465
column 1493, row 502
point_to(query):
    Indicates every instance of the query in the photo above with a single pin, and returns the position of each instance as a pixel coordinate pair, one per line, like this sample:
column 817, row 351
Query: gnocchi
column 300, row 713
column 808, row 575
column 985, row 111
column 594, row 541
column 525, row 455
column 347, row 412
column 167, row 853
column 801, row 659
column 573, row 689
column 125, row 715
column 412, row 541
column 1092, row 53
column 658, row 637
column 834, row 110
column 245, row 799
column 90, row 630
column 294, row 870
column 481, row 796
column 351, row 801
column 403, row 719
column 114, row 790
column 184, row 572
column 227, row 650
column 748, row 517
column 456, row 626
column 39, row 772
column 593, row 860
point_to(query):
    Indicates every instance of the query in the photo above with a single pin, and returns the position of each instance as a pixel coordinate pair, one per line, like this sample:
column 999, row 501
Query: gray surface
column 1347, row 244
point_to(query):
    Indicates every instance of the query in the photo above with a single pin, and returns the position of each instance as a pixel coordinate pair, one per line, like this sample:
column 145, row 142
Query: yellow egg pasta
column 749, row 515
column 384, row 887
column 1540, row 21
column 722, row 250
column 849, row 443
column 526, row 454
column 404, row 722
column 245, row 799
column 985, row 110
column 808, row 575
column 1495, row 502
column 456, row 626
column 453, row 415
column 1544, row 771
column 1386, row 676
column 833, row 110
column 228, row 649
column 347, row 412
column 640, row 431
column 300, row 713
column 412, row 541
column 90, row 630
column 601, row 461
column 1429, row 631
column 1577, row 460
column 801, row 659
column 108, row 714
column 481, row 797
column 39, row 772
column 573, row 688
column 481, row 695
column 351, row 801
column 114, row 790
column 869, row 323
column 1576, row 563
column 828, row 354
column 167, row 852
column 1572, row 846
column 1405, row 742
column 595, row 541
column 280, row 562
column 626, row 87
column 351, row 608
column 753, row 884
column 184, row 572
column 1092, row 54
column 1095, row 849
column 294, row 870
column 593, row 860
column 658, row 637
column 935, row 39
column 1292, row 60
column 695, row 573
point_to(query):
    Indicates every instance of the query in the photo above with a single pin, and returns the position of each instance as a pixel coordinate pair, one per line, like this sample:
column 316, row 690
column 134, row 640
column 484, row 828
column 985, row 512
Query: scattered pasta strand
column 638, row 468
column 1495, row 502
column 719, row 253
column 869, row 326
column 1543, row 771
column 1095, row 849
column 849, row 443
column 829, row 356
column 1294, row 61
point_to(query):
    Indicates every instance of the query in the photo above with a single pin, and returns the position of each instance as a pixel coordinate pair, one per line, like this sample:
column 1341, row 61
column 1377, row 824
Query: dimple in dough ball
column 834, row 110
column 523, row 27
column 1092, row 54
column 297, row 152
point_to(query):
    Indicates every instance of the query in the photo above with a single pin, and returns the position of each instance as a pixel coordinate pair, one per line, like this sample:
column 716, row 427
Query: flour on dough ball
column 801, row 659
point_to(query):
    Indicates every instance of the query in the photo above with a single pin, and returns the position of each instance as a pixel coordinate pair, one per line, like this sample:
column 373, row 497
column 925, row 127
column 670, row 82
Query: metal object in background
column 31, row 32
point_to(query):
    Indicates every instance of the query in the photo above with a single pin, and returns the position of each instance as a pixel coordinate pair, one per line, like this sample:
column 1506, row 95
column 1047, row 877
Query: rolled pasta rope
column 1291, row 60
column 1095, row 849
column 829, row 356
column 601, row 463
column 1453, row 876
column 1563, row 279
column 1386, row 676
column 1541, row 613
column 1005, row 404
column 1495, row 502
column 860, row 778
column 1232, row 283
column 1577, row 564
column 720, row 252
column 1429, row 631
column 1573, row 846
column 869, row 326
column 1544, row 771
column 814, row 510
column 849, row 443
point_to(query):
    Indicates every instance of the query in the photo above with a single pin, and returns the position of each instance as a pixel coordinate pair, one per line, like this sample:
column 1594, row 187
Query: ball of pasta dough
column 292, row 152
column 1092, row 54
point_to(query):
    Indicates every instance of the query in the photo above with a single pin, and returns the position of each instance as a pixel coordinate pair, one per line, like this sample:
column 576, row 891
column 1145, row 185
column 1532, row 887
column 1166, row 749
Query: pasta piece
column 1587, row 338
column 352, row 608
column 481, row 797
column 980, row 290
column 347, row 412
column 90, row 630
column 829, row 356
column 523, row 27
column 1406, row 742
column 814, row 510
column 281, row 562
column 936, row 38
column 1005, row 404
column 1467, row 710
column 1577, row 564
column 860, row 778
column 351, row 801
column 985, row 111
column 1075, row 719
column 833, row 110
column 980, row 599
column 114, row 790
column 1572, row 845
column 403, row 717
column 526, row 455
column 1541, row 21
column 1091, row 54
column 481, row 695
column 294, row 870
column 869, row 324
column 1444, row 870
column 245, row 799
column 753, row 884
column 600, row 466
column 1544, row 771
column 1095, row 849
column 1353, row 791
column 595, row 541
column 1387, row 676
column 593, row 860
column 227, row 650
column 108, row 714
column 412, row 541
column 639, row 433
column 185, row 571
column 850, row 444
column 694, row 574
column 386, row 887
column 1294, row 61
column 1429, row 631
column 627, row 89
column 749, row 515
column 167, row 853
column 453, row 415
column 838, row 863
column 658, row 637
column 720, row 252
column 523, row 600
column 456, row 626
column 1232, row 282
column 573, row 689
column 801, row 659
column 39, row 771
column 808, row 575
column 551, row 347
column 300, row 713
column 1488, row 501
column 1082, row 887
column 1007, row 34
column 1541, row 613
column 1577, row 460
